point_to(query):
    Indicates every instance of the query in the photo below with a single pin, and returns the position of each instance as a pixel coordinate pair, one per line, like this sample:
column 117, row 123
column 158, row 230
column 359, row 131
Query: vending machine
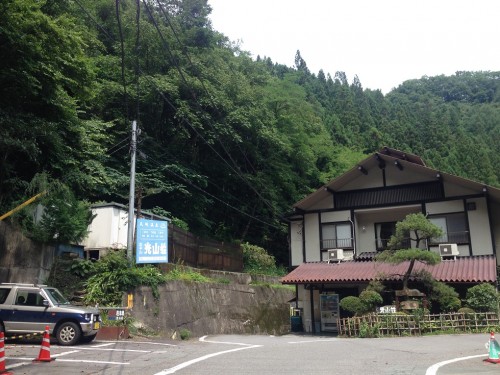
column 330, row 312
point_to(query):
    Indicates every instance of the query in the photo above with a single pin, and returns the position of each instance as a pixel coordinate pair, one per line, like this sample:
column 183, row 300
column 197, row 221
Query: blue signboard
column 152, row 241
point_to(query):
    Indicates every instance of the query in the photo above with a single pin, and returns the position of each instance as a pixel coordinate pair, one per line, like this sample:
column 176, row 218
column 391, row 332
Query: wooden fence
column 377, row 325
column 193, row 251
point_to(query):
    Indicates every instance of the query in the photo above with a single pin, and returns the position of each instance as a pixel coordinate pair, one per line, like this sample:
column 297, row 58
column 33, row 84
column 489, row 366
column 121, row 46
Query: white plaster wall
column 394, row 176
column 108, row 229
column 495, row 220
column 479, row 227
column 331, row 217
column 311, row 227
column 373, row 179
column 296, row 232
column 305, row 296
column 326, row 202
column 444, row 207
column 452, row 190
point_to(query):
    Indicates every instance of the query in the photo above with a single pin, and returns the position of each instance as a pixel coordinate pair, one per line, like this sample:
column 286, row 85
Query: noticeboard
column 152, row 241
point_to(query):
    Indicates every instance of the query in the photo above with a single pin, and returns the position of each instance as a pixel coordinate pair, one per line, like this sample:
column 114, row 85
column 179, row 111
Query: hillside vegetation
column 228, row 142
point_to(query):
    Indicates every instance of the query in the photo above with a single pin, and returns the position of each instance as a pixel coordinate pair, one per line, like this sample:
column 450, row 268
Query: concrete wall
column 22, row 260
column 204, row 309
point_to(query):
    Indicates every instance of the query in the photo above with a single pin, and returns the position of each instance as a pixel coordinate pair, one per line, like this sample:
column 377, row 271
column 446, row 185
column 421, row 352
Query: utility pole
column 133, row 149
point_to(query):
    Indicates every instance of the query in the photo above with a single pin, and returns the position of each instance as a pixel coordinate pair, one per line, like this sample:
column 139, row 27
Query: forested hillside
column 227, row 143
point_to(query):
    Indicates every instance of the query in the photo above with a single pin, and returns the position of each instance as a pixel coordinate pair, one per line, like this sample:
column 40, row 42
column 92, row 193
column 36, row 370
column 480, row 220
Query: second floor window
column 383, row 234
column 454, row 228
column 336, row 236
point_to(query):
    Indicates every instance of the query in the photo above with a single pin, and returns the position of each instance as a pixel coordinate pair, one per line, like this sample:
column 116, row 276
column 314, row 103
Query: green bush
column 185, row 334
column 256, row 260
column 376, row 285
column 466, row 310
column 363, row 304
column 482, row 298
column 445, row 296
column 352, row 304
column 115, row 275
column 370, row 299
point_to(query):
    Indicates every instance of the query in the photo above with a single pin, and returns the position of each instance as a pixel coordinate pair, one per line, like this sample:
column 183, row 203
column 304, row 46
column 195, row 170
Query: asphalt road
column 260, row 355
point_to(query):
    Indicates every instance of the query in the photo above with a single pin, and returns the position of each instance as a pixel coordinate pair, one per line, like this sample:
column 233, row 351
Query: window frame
column 336, row 224
column 459, row 237
column 379, row 240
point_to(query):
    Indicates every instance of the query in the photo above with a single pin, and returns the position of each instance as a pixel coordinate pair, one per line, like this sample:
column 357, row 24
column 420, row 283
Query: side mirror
column 45, row 303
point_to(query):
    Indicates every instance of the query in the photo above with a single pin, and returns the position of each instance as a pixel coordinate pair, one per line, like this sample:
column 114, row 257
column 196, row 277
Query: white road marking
column 9, row 367
column 89, row 361
column 434, row 368
column 202, row 339
column 199, row 359
column 139, row 342
column 102, row 345
column 115, row 350
column 65, row 353
column 309, row 341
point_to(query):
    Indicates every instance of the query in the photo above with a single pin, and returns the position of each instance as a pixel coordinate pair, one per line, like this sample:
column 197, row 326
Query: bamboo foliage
column 379, row 325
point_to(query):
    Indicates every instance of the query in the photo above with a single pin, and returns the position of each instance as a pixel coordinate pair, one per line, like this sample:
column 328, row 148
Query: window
column 454, row 228
column 336, row 236
column 384, row 232
column 4, row 292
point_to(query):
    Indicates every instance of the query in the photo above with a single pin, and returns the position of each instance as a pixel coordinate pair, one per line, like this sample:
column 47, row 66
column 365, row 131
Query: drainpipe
column 353, row 236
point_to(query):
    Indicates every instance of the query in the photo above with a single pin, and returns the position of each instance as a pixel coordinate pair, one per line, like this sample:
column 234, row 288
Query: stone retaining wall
column 207, row 308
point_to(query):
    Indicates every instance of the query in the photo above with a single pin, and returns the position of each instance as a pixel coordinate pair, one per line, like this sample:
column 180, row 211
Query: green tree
column 416, row 228
column 57, row 217
column 482, row 298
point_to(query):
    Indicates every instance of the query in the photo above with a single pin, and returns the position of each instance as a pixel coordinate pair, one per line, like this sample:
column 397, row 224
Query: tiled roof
column 461, row 270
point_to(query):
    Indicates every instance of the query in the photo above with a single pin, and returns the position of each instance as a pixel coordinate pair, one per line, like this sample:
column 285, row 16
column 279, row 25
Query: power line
column 173, row 61
column 122, row 54
column 209, row 194
column 93, row 20
column 184, row 50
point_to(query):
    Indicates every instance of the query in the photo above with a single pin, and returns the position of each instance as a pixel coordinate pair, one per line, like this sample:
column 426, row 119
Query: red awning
column 474, row 269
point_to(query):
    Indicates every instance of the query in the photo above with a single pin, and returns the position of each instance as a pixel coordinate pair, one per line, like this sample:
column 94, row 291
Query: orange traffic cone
column 44, row 355
column 2, row 355
column 493, row 349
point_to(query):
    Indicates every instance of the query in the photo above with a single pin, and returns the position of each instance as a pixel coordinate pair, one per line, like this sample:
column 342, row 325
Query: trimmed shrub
column 482, row 298
column 352, row 304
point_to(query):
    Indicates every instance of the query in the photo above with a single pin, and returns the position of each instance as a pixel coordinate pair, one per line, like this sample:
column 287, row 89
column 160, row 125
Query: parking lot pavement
column 117, row 357
column 229, row 354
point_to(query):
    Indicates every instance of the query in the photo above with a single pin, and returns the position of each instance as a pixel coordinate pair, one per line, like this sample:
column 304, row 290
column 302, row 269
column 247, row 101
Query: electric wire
column 93, row 20
column 122, row 54
column 175, row 109
column 165, row 44
column 184, row 50
column 137, row 49
column 190, row 183
column 171, row 158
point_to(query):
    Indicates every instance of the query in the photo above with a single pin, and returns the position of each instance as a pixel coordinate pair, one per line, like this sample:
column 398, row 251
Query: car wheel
column 68, row 334
column 87, row 339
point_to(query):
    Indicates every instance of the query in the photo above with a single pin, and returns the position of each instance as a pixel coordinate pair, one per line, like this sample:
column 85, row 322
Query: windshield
column 56, row 297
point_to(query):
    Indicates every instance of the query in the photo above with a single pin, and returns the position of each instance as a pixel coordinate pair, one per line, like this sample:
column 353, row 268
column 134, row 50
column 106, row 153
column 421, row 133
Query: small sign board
column 390, row 309
column 152, row 241
column 116, row 314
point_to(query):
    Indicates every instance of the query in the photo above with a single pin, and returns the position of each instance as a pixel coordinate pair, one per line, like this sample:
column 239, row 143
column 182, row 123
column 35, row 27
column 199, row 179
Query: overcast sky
column 384, row 42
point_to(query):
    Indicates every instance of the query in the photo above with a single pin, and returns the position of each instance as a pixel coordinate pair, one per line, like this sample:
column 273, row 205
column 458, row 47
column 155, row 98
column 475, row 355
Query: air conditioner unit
column 448, row 250
column 335, row 255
